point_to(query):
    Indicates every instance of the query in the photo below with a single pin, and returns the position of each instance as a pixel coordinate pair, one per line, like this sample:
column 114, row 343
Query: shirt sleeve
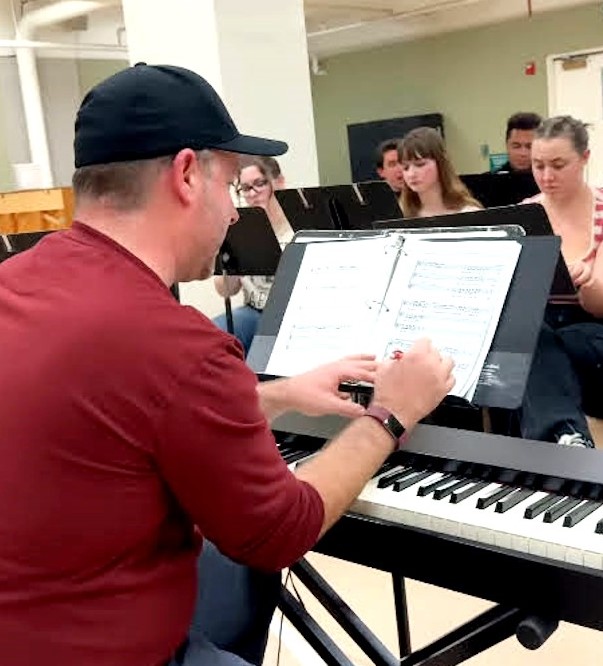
column 219, row 458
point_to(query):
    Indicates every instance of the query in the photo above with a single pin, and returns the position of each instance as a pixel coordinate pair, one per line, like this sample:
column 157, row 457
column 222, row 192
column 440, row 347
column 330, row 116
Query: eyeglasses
column 256, row 186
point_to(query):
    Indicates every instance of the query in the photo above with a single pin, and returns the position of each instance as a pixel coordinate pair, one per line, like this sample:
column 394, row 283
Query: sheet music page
column 335, row 303
column 452, row 293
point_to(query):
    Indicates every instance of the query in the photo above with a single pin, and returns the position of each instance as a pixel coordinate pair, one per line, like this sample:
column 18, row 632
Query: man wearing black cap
column 131, row 426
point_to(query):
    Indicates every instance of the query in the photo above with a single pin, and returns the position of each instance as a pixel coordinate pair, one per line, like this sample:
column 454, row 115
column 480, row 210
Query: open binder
column 392, row 274
column 530, row 218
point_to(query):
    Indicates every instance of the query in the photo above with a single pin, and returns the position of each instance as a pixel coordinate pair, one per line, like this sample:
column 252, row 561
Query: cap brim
column 253, row 145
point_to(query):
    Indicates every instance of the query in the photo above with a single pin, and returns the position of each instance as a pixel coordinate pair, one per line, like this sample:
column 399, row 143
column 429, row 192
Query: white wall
column 61, row 95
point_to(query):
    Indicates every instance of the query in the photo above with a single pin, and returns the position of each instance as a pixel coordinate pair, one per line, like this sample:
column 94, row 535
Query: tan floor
column 432, row 612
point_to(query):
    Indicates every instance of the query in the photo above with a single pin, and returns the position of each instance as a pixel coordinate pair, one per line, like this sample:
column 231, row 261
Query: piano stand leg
column 401, row 614
column 479, row 634
column 339, row 611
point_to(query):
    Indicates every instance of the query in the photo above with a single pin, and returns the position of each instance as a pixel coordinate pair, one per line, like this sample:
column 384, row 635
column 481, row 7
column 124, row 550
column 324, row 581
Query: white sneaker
column 575, row 439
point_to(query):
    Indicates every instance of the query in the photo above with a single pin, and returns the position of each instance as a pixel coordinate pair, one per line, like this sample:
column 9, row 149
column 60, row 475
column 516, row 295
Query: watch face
column 394, row 426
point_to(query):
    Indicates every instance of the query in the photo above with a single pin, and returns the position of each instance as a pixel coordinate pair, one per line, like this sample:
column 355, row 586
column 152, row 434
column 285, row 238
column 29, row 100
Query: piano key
column 560, row 509
column 485, row 502
column 541, row 505
column 429, row 488
column 411, row 481
column 443, row 493
column 513, row 500
column 392, row 477
column 295, row 456
column 580, row 513
column 459, row 496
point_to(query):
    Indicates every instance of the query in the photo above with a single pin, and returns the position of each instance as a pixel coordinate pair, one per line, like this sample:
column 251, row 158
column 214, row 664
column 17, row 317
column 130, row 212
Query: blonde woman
column 567, row 374
column 257, row 181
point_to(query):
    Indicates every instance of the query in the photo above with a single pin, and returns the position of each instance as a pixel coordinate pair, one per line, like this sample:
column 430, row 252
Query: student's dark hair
column 385, row 147
column 566, row 127
column 524, row 120
column 426, row 143
column 268, row 166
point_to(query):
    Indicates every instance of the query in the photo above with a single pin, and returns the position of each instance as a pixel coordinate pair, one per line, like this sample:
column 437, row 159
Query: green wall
column 91, row 72
column 475, row 78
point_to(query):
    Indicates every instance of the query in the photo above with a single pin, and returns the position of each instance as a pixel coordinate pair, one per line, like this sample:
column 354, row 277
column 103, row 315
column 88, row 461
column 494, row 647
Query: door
column 576, row 89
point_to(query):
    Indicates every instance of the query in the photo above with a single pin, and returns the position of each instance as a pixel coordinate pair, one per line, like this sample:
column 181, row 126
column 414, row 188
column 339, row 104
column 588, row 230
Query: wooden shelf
column 35, row 210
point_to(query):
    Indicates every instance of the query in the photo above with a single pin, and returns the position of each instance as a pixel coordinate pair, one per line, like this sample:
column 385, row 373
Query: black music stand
column 307, row 208
column 501, row 188
column 506, row 368
column 250, row 248
column 360, row 205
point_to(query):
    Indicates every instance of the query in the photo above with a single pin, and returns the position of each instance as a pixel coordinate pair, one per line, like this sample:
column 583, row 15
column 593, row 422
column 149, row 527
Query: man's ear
column 185, row 175
column 380, row 172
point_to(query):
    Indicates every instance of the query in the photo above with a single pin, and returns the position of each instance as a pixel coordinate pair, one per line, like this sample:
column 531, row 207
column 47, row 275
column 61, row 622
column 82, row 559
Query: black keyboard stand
column 482, row 632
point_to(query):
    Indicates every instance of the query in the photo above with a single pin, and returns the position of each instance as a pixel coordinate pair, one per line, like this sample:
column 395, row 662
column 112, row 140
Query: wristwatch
column 395, row 429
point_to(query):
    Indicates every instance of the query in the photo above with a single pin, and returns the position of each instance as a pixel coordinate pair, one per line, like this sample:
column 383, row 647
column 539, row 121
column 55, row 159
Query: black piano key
column 434, row 485
column 575, row 489
column 580, row 513
column 508, row 477
column 513, row 500
column 595, row 492
column 442, row 493
column 387, row 466
column 485, row 502
column 396, row 475
column 407, row 483
column 541, row 505
column 295, row 456
column 561, row 508
column 553, row 484
column 459, row 496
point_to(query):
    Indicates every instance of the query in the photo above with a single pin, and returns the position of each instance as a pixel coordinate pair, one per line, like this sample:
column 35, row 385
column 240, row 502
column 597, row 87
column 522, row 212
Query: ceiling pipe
column 60, row 46
column 420, row 11
column 28, row 74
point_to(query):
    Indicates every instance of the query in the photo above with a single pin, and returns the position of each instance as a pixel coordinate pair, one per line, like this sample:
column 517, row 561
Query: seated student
column 431, row 185
column 258, row 178
column 519, row 138
column 387, row 165
column 567, row 371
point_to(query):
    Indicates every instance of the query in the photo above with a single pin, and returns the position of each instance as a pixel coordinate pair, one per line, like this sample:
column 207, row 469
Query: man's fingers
column 347, row 408
column 360, row 357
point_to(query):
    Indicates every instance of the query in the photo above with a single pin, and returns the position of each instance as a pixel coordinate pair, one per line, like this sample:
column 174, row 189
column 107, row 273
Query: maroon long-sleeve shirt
column 125, row 420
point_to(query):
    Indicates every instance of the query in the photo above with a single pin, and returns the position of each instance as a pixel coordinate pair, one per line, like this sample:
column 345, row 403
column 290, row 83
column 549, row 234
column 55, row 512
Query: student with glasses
column 257, row 181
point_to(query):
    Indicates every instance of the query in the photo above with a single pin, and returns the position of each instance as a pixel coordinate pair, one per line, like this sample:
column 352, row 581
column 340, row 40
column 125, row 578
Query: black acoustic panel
column 364, row 139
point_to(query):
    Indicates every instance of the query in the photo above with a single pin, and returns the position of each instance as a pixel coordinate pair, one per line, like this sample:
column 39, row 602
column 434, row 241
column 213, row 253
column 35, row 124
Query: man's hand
column 316, row 392
column 414, row 385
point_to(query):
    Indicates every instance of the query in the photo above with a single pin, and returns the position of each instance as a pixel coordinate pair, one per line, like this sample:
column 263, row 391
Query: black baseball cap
column 149, row 111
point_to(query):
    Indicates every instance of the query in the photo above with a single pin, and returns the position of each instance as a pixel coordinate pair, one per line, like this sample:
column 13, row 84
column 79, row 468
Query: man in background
column 388, row 165
column 519, row 137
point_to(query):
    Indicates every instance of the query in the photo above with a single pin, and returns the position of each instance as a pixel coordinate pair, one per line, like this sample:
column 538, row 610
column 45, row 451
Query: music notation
column 376, row 294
